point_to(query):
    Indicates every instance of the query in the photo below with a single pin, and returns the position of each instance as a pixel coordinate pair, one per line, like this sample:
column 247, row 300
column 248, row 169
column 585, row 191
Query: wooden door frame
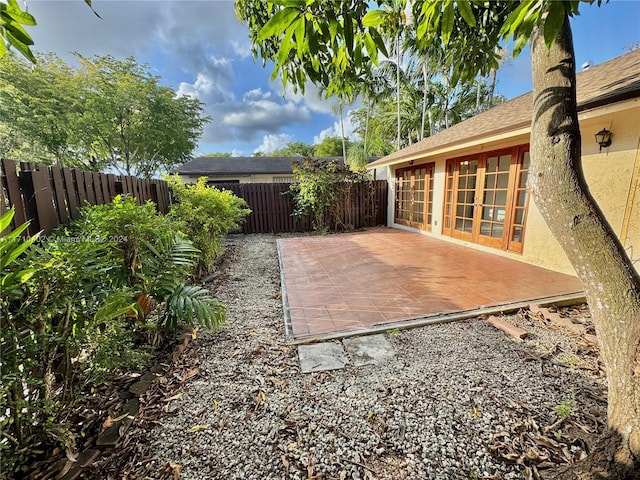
column 504, row 243
column 460, row 235
column 429, row 171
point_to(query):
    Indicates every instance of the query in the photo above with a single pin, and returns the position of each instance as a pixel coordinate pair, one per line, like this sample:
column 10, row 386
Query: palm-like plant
column 164, row 266
column 154, row 261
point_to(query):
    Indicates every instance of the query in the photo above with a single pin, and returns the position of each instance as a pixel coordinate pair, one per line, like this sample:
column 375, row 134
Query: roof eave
column 511, row 131
column 594, row 107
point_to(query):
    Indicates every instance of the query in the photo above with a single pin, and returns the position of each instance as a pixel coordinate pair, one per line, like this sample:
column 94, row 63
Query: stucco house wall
column 254, row 178
column 612, row 174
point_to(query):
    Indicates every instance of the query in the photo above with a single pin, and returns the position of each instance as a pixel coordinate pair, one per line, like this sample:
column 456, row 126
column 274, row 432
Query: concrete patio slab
column 337, row 285
column 368, row 350
column 321, row 356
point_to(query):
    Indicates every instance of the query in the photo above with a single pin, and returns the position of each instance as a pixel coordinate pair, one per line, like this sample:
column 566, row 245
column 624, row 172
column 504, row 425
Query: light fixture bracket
column 603, row 138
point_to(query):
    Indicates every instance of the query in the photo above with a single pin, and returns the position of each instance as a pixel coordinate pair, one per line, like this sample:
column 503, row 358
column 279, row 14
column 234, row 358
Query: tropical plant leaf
column 448, row 17
column 553, row 22
column 466, row 12
column 374, row 18
column 278, row 23
column 191, row 304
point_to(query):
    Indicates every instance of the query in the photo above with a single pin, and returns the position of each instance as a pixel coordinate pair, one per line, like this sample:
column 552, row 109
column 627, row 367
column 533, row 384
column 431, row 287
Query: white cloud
column 236, row 153
column 265, row 115
column 247, row 120
column 197, row 47
column 311, row 97
column 336, row 131
column 273, row 142
column 255, row 94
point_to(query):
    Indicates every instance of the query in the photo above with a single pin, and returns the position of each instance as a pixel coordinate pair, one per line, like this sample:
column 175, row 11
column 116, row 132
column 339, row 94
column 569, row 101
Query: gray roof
column 240, row 165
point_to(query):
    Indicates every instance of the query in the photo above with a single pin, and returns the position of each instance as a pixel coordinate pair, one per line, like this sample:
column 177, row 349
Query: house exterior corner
column 468, row 184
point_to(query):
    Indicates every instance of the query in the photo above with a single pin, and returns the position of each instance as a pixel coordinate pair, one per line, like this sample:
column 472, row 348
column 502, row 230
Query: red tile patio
column 339, row 283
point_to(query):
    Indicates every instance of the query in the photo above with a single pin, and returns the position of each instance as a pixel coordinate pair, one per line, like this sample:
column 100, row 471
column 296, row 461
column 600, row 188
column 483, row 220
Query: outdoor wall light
column 603, row 138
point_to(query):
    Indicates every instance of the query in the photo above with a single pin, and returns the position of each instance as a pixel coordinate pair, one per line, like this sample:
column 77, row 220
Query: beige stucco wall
column 609, row 174
column 262, row 178
column 612, row 176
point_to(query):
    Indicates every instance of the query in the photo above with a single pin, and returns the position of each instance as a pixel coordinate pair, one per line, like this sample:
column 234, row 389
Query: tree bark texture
column 611, row 284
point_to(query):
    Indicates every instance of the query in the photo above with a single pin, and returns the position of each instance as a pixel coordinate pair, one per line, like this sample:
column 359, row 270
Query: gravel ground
column 456, row 402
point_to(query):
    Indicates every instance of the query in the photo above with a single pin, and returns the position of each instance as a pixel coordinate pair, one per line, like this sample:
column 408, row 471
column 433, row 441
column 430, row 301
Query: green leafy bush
column 206, row 215
column 128, row 227
column 154, row 259
column 71, row 309
column 51, row 317
column 323, row 190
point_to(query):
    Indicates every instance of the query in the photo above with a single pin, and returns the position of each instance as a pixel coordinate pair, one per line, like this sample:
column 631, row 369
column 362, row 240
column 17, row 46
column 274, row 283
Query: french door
column 486, row 198
column 414, row 196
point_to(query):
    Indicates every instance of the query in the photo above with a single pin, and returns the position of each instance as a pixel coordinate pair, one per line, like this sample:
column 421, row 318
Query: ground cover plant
column 89, row 301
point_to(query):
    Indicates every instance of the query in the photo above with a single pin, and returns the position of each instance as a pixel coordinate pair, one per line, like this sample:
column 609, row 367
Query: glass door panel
column 448, row 198
column 414, row 196
column 516, row 236
column 418, row 192
column 494, row 199
column 486, row 198
column 403, row 192
column 465, row 199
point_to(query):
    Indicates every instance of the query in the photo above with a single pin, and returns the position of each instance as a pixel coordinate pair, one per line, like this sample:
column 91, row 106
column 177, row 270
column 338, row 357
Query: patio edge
column 288, row 329
column 560, row 300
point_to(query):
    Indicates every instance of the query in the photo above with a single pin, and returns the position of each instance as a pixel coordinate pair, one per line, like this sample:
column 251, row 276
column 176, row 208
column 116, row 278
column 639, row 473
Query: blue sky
column 199, row 48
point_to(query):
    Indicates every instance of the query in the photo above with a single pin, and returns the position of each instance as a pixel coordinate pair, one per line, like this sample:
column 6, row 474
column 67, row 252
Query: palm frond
column 193, row 304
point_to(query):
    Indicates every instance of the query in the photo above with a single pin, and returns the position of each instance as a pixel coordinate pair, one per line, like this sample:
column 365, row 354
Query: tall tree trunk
column 425, row 97
column 432, row 123
column 492, row 87
column 366, row 132
column 611, row 284
column 398, row 84
column 344, row 143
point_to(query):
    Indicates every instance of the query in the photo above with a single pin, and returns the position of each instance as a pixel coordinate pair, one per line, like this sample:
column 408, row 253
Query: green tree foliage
column 218, row 154
column 324, row 42
column 12, row 33
column 39, row 104
column 329, row 147
column 446, row 106
column 294, row 149
column 105, row 114
column 206, row 215
column 356, row 158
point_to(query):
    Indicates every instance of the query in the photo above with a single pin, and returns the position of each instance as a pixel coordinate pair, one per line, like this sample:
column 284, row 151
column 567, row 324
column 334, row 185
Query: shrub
column 125, row 225
column 206, row 215
column 154, row 260
column 65, row 308
column 323, row 190
column 47, row 319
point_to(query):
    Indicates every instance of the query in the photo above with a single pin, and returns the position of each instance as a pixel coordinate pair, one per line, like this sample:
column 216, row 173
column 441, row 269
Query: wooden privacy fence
column 272, row 209
column 49, row 196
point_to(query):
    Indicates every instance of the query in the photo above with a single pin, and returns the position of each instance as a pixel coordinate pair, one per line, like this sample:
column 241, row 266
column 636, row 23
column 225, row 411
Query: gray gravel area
column 433, row 411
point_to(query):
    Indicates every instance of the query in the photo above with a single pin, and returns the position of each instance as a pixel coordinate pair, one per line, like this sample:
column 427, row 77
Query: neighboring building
column 467, row 183
column 220, row 170
column 238, row 170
